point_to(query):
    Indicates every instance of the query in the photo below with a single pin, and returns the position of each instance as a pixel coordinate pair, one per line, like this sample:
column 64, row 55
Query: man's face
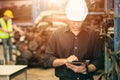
column 7, row 18
column 76, row 25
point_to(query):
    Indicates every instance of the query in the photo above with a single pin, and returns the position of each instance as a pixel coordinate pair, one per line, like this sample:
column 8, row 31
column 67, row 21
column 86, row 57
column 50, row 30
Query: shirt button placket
column 76, row 45
column 76, row 38
column 75, row 48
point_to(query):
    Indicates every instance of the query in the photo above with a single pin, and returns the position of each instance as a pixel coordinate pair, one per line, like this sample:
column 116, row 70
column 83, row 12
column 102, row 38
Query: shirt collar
column 67, row 29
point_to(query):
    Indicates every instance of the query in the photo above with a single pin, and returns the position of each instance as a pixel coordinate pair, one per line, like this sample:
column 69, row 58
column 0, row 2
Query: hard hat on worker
column 8, row 13
column 76, row 10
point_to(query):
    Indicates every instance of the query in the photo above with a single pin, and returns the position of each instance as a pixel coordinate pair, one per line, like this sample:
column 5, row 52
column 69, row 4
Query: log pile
column 32, row 45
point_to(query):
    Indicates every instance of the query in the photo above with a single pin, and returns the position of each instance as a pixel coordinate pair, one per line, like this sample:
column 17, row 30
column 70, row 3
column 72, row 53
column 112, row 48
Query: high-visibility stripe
column 5, row 25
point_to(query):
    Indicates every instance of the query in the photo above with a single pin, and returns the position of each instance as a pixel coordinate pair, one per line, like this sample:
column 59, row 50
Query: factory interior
column 38, row 19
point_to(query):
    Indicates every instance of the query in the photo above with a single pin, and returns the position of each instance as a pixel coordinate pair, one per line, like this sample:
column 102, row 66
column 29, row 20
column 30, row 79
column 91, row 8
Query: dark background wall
column 22, row 9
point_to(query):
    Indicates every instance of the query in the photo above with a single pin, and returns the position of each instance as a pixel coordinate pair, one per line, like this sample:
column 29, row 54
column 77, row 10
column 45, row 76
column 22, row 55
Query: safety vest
column 5, row 25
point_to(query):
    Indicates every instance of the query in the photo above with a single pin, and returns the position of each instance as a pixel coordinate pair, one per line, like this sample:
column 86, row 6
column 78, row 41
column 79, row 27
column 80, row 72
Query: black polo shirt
column 87, row 45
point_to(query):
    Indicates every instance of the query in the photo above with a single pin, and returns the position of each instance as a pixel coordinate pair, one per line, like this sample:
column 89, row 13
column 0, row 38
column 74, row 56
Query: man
column 74, row 43
column 6, row 33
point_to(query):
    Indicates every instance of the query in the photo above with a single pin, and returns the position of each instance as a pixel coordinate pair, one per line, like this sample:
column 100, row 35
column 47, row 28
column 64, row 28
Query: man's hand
column 78, row 69
column 72, row 58
column 62, row 61
column 19, row 29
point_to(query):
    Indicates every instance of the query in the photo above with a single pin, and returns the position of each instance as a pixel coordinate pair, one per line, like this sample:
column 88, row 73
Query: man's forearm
column 18, row 29
column 59, row 62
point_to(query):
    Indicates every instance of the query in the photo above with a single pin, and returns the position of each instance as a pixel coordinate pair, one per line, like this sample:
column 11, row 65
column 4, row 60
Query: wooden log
column 33, row 45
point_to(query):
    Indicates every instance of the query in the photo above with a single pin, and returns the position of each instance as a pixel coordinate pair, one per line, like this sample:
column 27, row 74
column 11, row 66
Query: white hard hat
column 76, row 10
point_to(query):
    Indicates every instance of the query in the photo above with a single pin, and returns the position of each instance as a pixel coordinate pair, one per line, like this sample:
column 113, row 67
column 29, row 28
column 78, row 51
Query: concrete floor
column 33, row 73
column 36, row 73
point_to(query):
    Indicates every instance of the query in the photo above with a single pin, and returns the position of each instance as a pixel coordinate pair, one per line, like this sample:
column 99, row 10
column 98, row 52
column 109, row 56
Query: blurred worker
column 6, row 33
column 75, row 43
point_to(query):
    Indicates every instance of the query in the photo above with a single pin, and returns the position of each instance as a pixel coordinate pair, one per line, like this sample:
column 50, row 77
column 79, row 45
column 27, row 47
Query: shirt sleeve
column 98, row 59
column 50, row 52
